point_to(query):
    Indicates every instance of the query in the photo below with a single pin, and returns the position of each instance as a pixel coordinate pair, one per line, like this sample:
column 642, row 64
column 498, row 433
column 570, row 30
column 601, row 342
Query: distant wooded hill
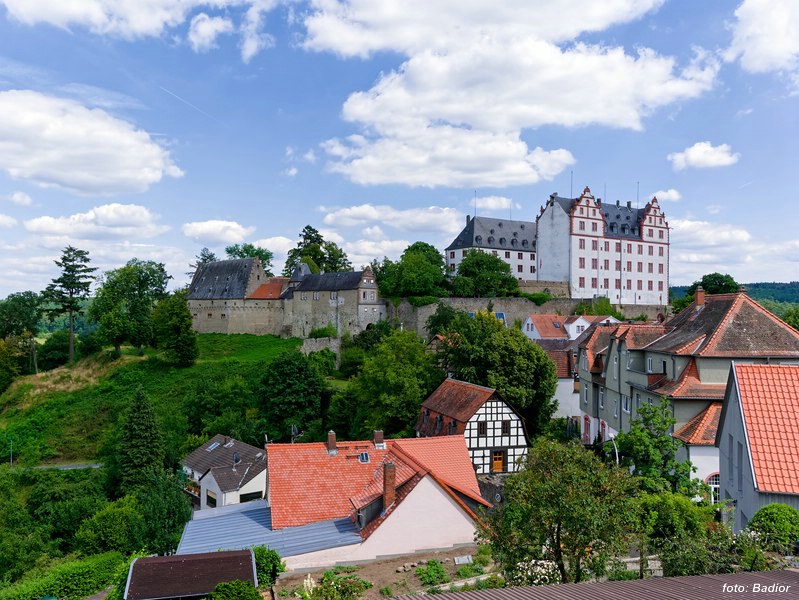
column 774, row 290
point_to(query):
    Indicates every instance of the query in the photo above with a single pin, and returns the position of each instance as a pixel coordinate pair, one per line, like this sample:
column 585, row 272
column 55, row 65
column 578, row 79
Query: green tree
column 489, row 275
column 481, row 350
column 566, row 506
column 419, row 272
column 55, row 351
column 20, row 313
column 290, row 394
column 167, row 507
column 268, row 565
column 124, row 302
column 10, row 357
column 119, row 526
column 313, row 249
column 649, row 449
column 712, row 283
column 395, row 379
column 140, row 447
column 441, row 319
column 235, row 590
column 65, row 292
column 778, row 524
column 173, row 330
column 251, row 251
column 791, row 317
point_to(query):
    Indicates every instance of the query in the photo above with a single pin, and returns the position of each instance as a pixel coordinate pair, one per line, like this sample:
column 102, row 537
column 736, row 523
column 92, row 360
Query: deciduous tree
column 712, row 283
column 173, row 330
column 488, row 275
column 20, row 313
column 251, row 251
column 167, row 507
column 565, row 506
column 66, row 291
column 313, row 249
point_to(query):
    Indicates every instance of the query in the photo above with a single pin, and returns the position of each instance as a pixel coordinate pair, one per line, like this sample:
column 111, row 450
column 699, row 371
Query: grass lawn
column 65, row 415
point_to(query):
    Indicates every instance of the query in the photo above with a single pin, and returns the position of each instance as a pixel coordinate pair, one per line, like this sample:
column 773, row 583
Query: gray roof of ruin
column 500, row 234
column 221, row 279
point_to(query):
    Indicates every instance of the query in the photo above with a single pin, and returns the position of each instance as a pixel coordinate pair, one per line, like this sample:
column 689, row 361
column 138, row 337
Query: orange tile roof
column 306, row 484
column 456, row 399
column 688, row 385
column 550, row 326
column 701, row 430
column 564, row 363
column 769, row 396
column 270, row 290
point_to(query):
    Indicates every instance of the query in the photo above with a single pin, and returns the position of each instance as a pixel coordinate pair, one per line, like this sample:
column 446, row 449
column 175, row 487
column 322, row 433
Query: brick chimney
column 380, row 442
column 332, row 450
column 699, row 296
column 389, row 485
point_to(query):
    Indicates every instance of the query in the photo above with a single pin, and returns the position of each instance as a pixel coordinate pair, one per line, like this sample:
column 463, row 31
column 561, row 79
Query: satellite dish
column 236, row 458
column 497, row 498
column 294, row 430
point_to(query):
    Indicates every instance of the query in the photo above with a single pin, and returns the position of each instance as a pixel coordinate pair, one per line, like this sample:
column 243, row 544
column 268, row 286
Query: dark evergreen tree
column 66, row 291
column 252, row 251
column 312, row 249
column 141, row 447
column 167, row 508
column 204, row 257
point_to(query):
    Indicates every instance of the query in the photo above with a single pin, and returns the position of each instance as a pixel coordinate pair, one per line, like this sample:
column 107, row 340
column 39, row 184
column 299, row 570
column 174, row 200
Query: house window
column 606, row 264
column 581, row 244
column 451, row 266
column 618, row 246
column 593, row 226
column 452, row 254
column 601, row 397
column 629, row 265
column 615, row 367
column 585, row 395
column 497, row 461
column 640, row 285
column 637, row 401
column 581, row 282
column 210, row 499
column 618, row 265
column 316, row 295
column 249, row 497
column 729, row 457
column 660, row 286
column 625, row 403
column 594, row 263
column 629, row 284
column 615, row 407
column 532, row 269
column 507, row 255
column 581, row 262
column 520, row 268
column 439, row 423
column 222, row 316
column 640, row 248
column 582, row 225
column 651, row 268
column 660, row 251
column 714, row 483
column 649, row 285
column 660, row 234
column 210, row 315
column 740, row 468
column 506, row 427
column 651, row 250
column 520, row 255
column 649, row 365
column 618, row 284
column 640, row 267
column 372, row 296
column 334, row 295
column 594, row 244
column 482, row 428
column 606, row 283
column 607, row 246
column 453, row 427
column 463, row 252
column 593, row 282
column 303, row 295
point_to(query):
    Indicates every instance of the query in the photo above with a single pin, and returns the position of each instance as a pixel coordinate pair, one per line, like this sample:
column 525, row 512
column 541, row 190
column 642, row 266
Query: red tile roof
column 769, row 396
column 306, row 484
column 689, row 386
column 457, row 400
column 550, row 326
column 596, row 340
column 270, row 290
column 701, row 430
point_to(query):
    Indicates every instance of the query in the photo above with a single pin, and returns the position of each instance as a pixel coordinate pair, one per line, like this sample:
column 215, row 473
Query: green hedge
column 419, row 301
column 68, row 581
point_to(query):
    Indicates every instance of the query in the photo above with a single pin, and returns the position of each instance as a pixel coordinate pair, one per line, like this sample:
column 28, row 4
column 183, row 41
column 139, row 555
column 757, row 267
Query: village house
column 687, row 361
column 225, row 471
column 758, row 439
column 332, row 502
column 236, row 296
column 493, row 430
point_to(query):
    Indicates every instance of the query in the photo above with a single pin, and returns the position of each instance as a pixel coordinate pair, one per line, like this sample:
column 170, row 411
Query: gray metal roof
column 500, row 234
column 245, row 525
column 221, row 280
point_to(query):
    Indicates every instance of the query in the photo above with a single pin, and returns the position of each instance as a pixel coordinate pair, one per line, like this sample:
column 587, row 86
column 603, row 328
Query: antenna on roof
column 571, row 183
column 475, row 203
column 637, row 194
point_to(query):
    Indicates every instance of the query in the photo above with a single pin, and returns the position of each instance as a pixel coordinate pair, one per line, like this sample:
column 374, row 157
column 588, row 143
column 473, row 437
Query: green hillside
column 67, row 415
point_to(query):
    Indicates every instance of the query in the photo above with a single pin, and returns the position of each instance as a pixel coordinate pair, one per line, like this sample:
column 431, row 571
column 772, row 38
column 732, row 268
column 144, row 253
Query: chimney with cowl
column 332, row 449
column 379, row 440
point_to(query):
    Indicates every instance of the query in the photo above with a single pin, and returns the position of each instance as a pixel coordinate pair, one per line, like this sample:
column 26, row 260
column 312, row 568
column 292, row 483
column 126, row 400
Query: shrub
column 71, row 580
column 328, row 330
column 89, row 343
column 235, row 590
column 470, row 570
column 537, row 298
column 419, row 301
column 268, row 565
column 119, row 526
column 386, row 591
column 324, row 361
column 335, row 586
column 483, row 556
column 433, row 573
column 778, row 524
column 351, row 361
column 619, row 572
column 55, row 351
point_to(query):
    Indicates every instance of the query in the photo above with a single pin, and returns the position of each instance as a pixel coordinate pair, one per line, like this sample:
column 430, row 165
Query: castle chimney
column 699, row 296
column 331, row 443
column 380, row 442
column 468, row 218
column 629, row 203
column 389, row 485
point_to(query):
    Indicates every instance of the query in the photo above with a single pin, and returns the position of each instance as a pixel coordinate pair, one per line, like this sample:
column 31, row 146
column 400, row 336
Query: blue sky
column 153, row 128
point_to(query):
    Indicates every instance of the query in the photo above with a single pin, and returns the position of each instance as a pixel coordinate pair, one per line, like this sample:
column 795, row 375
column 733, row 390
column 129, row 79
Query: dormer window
column 363, row 458
column 478, row 239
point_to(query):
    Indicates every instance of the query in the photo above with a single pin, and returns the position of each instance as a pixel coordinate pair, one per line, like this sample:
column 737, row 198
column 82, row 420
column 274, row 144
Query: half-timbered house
column 493, row 430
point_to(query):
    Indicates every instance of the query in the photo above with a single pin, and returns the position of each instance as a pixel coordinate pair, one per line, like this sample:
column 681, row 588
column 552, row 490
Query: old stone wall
column 316, row 344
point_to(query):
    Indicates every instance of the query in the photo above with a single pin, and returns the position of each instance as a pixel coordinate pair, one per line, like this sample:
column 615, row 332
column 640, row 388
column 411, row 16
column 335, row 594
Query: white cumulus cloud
column 703, row 155
column 20, row 198
column 669, row 195
column 217, row 231
column 493, row 203
column 431, row 219
column 478, row 75
column 100, row 223
column 764, row 36
column 6, row 221
column 204, row 30
column 56, row 142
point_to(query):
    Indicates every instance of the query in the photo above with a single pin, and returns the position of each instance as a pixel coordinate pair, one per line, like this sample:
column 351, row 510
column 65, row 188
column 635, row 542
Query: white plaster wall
column 428, row 518
column 568, row 400
column 705, row 459
column 528, row 259
column 553, row 244
column 209, row 483
column 257, row 484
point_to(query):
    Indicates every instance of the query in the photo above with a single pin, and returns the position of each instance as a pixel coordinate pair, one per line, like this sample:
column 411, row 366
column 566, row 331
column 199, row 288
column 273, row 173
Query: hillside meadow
column 69, row 415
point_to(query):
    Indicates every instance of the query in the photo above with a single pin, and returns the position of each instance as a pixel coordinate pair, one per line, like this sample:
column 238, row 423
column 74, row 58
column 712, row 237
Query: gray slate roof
column 219, row 461
column 621, row 220
column 221, row 280
column 245, row 525
column 500, row 234
column 330, row 282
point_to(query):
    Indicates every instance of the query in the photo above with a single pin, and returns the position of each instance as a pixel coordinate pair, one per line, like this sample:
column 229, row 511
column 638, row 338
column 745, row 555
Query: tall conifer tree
column 141, row 447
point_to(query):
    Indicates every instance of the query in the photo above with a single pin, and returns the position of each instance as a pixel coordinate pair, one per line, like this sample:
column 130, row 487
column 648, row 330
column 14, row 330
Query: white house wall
column 568, row 399
column 256, row 484
column 427, row 519
column 705, row 459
